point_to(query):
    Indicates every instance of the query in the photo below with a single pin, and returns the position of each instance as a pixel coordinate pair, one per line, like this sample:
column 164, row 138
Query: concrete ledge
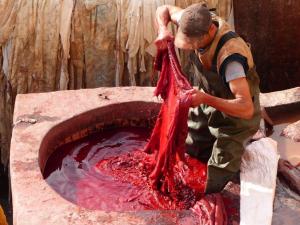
column 292, row 131
column 71, row 115
column 282, row 105
column 277, row 98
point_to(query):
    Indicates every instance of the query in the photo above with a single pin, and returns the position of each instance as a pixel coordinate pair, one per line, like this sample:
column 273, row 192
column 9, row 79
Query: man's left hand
column 197, row 97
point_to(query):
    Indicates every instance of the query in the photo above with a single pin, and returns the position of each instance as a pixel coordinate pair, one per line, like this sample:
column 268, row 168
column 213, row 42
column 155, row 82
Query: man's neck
column 212, row 36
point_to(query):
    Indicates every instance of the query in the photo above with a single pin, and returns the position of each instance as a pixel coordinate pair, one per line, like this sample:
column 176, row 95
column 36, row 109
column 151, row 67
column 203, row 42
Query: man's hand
column 197, row 97
column 164, row 15
column 241, row 106
column 164, row 35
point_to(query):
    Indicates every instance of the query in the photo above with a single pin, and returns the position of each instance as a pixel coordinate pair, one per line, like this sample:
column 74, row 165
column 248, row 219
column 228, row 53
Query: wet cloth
column 168, row 137
column 167, row 142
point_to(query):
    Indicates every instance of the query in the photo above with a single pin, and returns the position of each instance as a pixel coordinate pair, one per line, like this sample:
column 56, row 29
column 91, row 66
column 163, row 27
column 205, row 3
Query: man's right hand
column 164, row 35
column 164, row 15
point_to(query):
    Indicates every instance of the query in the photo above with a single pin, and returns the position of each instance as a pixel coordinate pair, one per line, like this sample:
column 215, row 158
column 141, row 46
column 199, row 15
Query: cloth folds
column 167, row 140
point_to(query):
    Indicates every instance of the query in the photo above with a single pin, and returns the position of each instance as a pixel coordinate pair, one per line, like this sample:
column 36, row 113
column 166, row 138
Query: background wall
column 272, row 28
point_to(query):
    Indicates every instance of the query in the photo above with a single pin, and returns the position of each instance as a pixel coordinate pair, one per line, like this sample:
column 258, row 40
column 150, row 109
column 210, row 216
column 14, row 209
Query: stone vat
column 45, row 121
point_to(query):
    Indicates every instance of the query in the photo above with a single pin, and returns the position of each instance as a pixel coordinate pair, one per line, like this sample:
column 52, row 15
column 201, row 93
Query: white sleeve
column 234, row 70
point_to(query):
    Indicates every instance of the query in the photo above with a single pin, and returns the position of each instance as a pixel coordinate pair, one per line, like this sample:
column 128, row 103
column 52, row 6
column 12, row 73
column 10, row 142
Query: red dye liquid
column 109, row 171
column 72, row 169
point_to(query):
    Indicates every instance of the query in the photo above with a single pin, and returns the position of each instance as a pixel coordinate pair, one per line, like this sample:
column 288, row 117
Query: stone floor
column 286, row 205
column 37, row 113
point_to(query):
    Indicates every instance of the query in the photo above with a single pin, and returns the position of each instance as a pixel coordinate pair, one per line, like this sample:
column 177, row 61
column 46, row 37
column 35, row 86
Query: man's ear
column 212, row 29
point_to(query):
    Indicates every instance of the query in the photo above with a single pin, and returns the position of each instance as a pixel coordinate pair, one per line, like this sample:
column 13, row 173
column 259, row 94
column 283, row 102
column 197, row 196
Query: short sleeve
column 234, row 70
column 238, row 59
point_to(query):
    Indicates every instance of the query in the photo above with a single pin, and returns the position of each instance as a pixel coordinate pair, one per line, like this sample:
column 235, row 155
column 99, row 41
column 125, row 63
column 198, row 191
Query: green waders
column 217, row 137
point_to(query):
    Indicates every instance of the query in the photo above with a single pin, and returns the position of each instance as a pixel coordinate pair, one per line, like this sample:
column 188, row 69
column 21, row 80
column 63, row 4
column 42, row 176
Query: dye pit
column 109, row 171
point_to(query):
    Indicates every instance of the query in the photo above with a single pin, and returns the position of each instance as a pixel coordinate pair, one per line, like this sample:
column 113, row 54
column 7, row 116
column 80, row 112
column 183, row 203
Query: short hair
column 195, row 20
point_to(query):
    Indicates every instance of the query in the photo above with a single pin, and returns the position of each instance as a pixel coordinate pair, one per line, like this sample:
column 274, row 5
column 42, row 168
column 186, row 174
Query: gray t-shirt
column 234, row 70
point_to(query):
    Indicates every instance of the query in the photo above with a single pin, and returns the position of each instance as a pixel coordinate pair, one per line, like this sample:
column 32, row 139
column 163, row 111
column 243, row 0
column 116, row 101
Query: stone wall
column 271, row 27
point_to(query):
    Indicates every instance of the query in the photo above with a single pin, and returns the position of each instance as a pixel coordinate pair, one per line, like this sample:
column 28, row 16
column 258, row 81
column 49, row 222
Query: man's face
column 191, row 43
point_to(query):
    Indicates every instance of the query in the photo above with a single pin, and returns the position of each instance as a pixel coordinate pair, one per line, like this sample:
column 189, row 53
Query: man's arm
column 241, row 106
column 165, row 14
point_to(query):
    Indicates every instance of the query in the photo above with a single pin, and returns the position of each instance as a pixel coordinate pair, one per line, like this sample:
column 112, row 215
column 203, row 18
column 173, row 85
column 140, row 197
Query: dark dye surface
column 108, row 171
column 72, row 170
column 4, row 199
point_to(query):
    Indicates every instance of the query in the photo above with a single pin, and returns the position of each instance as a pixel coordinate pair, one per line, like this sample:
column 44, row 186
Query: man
column 226, row 109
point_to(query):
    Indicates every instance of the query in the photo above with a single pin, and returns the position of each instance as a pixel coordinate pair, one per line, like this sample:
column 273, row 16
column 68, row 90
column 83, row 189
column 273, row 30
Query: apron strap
column 226, row 37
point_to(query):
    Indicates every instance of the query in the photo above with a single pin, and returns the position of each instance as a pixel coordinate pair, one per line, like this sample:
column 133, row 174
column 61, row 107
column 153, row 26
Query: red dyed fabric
column 168, row 137
column 167, row 142
column 211, row 210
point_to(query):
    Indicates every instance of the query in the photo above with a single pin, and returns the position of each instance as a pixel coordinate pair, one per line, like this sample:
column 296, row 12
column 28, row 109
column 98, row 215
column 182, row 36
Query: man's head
column 194, row 26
